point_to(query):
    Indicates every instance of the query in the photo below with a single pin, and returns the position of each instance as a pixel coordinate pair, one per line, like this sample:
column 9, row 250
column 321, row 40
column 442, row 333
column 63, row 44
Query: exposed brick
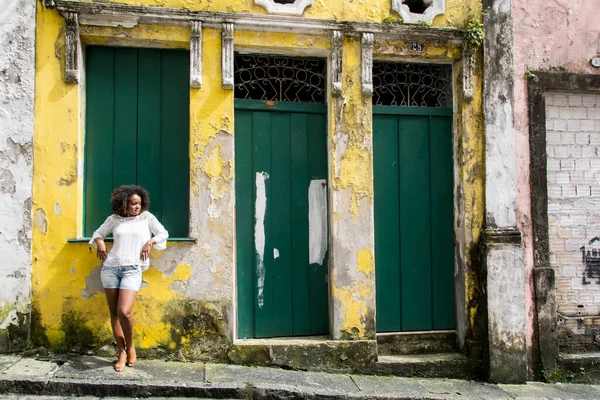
column 583, row 190
column 561, row 178
column 568, row 191
column 583, row 164
column 589, row 100
column 565, row 112
column 576, row 177
column 582, row 137
column 588, row 125
column 553, row 138
column 575, row 100
column 561, row 151
column 573, row 125
column 559, row 100
column 593, row 112
column 579, row 112
column 567, row 138
column 589, row 151
column 561, row 124
column 575, row 151
column 553, row 164
column 552, row 112
column 595, row 136
column 595, row 164
column 557, row 245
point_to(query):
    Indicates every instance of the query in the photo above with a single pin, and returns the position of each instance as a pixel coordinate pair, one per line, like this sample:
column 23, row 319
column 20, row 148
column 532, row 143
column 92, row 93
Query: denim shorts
column 123, row 277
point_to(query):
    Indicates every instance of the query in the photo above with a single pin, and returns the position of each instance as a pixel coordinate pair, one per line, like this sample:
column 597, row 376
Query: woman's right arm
column 98, row 238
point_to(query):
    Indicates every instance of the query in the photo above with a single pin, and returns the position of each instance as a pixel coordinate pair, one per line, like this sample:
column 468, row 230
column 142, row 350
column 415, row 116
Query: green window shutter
column 137, row 131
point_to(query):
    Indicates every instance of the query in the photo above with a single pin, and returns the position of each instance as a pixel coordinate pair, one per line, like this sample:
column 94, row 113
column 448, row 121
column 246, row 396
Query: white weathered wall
column 17, row 72
column 573, row 175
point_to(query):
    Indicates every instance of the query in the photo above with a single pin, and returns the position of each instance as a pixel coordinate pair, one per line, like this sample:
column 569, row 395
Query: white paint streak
column 260, row 209
column 275, row 254
column 213, row 211
column 317, row 220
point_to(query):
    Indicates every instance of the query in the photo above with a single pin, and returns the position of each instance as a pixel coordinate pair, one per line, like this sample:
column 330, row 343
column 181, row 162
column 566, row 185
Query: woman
column 132, row 226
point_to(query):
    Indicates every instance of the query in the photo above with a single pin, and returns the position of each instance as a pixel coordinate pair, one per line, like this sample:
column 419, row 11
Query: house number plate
column 417, row 46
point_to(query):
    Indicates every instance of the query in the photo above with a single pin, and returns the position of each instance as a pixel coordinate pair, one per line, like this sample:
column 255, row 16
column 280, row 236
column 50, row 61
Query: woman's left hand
column 146, row 250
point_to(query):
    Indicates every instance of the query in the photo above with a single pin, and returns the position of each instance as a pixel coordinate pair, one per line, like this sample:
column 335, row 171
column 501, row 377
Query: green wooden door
column 137, row 131
column 281, row 219
column 414, row 250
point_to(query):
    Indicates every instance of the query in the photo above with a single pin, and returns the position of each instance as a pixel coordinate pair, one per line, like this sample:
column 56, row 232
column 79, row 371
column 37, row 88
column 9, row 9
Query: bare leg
column 112, row 297
column 124, row 308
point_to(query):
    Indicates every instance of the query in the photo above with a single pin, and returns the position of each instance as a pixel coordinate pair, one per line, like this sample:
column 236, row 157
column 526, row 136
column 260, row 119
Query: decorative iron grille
column 412, row 85
column 276, row 78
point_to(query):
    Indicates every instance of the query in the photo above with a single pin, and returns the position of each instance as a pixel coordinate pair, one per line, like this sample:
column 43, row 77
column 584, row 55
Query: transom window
column 412, row 85
column 277, row 78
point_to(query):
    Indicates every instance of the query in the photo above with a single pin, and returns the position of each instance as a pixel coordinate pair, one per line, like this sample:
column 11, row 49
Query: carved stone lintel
column 71, row 47
column 367, row 64
column 436, row 8
column 227, row 55
column 196, row 54
column 336, row 62
column 296, row 8
column 467, row 72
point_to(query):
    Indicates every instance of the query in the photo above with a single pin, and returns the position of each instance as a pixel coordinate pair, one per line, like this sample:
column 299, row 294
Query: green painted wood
column 387, row 222
column 291, row 148
column 100, row 123
column 415, row 227
column 426, row 111
column 263, row 260
column 244, row 218
column 126, row 111
column 317, row 170
column 307, row 108
column 149, row 122
column 281, row 228
column 299, row 220
column 137, row 131
column 175, row 138
column 442, row 233
column 414, row 249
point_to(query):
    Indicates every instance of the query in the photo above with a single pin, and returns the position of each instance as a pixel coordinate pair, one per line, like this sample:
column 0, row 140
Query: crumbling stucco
column 17, row 30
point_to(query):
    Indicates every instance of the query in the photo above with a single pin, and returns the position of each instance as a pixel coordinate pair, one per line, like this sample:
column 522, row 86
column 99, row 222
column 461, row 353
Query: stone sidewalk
column 95, row 376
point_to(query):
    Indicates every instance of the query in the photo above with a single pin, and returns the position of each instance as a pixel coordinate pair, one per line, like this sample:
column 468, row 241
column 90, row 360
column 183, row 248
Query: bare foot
column 120, row 364
column 131, row 357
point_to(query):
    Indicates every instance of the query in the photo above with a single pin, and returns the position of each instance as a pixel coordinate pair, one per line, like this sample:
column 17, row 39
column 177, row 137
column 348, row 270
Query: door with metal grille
column 412, row 145
column 281, row 196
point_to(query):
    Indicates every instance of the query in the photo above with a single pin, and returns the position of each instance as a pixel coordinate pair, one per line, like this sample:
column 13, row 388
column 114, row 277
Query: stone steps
column 437, row 365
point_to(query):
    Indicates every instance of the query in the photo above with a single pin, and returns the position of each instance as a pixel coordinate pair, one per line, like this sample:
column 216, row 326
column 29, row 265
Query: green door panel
column 137, row 131
column 414, row 250
column 280, row 153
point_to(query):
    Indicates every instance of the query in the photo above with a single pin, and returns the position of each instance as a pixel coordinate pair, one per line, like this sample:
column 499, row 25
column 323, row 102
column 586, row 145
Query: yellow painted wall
column 69, row 306
column 378, row 11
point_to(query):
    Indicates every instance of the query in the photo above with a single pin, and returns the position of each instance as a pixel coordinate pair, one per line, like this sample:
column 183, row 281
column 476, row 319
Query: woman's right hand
column 100, row 249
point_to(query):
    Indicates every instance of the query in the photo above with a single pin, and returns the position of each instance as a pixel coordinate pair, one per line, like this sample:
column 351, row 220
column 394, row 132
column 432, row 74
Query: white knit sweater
column 130, row 234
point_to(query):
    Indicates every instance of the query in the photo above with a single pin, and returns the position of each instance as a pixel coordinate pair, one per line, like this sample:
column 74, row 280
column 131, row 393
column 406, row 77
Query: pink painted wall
column 550, row 35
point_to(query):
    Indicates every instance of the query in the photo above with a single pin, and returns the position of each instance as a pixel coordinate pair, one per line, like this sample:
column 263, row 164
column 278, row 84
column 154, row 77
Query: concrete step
column 426, row 342
column 578, row 368
column 438, row 365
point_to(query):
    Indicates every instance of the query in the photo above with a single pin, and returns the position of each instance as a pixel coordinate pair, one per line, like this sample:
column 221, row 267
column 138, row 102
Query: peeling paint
column 40, row 220
column 317, row 220
column 185, row 302
column 259, row 232
column 366, row 262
